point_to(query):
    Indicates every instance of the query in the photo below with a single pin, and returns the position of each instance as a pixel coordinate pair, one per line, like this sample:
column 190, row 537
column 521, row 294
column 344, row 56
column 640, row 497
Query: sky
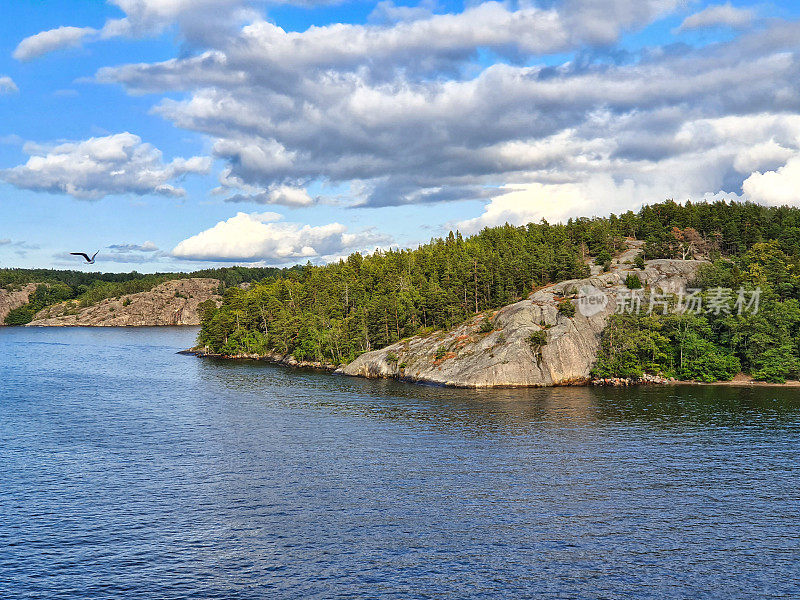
column 183, row 134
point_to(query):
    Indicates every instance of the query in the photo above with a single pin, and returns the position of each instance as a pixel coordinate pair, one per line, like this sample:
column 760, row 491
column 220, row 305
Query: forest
column 716, row 344
column 335, row 312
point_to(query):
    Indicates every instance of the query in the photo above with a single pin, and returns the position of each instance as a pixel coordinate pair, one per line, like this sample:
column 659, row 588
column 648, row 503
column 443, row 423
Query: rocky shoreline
column 740, row 380
column 272, row 358
column 532, row 343
column 14, row 297
column 645, row 379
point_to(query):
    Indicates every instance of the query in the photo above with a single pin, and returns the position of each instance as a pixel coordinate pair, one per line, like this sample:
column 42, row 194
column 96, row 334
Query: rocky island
column 528, row 343
column 174, row 302
column 543, row 304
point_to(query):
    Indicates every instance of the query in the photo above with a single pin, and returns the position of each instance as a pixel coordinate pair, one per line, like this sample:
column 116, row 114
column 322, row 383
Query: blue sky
column 178, row 134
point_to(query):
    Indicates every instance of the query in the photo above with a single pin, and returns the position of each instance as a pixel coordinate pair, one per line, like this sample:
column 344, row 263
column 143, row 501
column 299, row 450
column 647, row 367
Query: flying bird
column 86, row 256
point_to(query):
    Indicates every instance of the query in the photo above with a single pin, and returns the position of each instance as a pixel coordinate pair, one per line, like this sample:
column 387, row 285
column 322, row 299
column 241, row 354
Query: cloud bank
column 533, row 109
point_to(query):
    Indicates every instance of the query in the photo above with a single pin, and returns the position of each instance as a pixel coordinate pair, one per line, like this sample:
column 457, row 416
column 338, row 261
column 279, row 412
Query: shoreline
column 741, row 380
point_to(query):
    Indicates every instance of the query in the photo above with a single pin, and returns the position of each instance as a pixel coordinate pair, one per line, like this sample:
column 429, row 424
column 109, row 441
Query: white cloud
column 429, row 41
column 354, row 105
column 53, row 39
column 778, row 187
column 97, row 167
column 708, row 159
column 598, row 195
column 200, row 22
column 285, row 195
column 146, row 252
column 718, row 15
column 7, row 85
column 260, row 237
column 601, row 21
column 147, row 246
column 404, row 110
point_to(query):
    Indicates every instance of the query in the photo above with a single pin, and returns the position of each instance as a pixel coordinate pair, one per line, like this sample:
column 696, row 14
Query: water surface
column 129, row 471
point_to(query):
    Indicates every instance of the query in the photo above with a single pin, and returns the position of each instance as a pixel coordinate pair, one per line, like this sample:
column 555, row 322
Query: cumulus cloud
column 97, row 167
column 7, row 85
column 778, row 187
column 287, row 195
column 405, row 110
column 209, row 22
column 718, row 15
column 411, row 139
column 262, row 237
column 53, row 39
column 600, row 22
column 200, row 22
column 425, row 45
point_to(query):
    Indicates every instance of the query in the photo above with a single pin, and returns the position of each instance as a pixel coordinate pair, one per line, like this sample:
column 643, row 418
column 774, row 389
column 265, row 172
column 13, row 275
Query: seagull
column 86, row 256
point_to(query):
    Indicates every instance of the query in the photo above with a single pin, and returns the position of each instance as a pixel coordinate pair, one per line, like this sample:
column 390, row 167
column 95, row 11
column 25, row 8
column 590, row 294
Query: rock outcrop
column 508, row 355
column 11, row 298
column 173, row 302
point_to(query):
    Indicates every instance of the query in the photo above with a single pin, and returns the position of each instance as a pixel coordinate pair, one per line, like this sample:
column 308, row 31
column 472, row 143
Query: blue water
column 129, row 471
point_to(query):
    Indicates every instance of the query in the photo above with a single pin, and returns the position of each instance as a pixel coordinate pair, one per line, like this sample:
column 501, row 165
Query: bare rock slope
column 170, row 303
column 14, row 298
column 505, row 356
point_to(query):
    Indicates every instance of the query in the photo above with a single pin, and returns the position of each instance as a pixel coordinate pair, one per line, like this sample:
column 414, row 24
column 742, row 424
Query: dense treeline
column 340, row 310
column 90, row 288
column 748, row 320
column 335, row 312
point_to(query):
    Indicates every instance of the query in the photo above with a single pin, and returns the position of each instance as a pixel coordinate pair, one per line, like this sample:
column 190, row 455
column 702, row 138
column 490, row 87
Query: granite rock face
column 14, row 298
column 505, row 356
column 170, row 303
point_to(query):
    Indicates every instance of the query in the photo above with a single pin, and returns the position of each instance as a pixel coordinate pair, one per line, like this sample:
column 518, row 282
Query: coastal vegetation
column 335, row 312
column 762, row 340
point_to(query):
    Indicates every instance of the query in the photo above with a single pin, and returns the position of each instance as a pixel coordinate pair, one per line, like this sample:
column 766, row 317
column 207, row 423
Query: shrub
column 566, row 308
column 537, row 339
column 440, row 352
column 638, row 262
column 126, row 302
column 486, row 326
column 603, row 258
column 391, row 357
column 633, row 282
